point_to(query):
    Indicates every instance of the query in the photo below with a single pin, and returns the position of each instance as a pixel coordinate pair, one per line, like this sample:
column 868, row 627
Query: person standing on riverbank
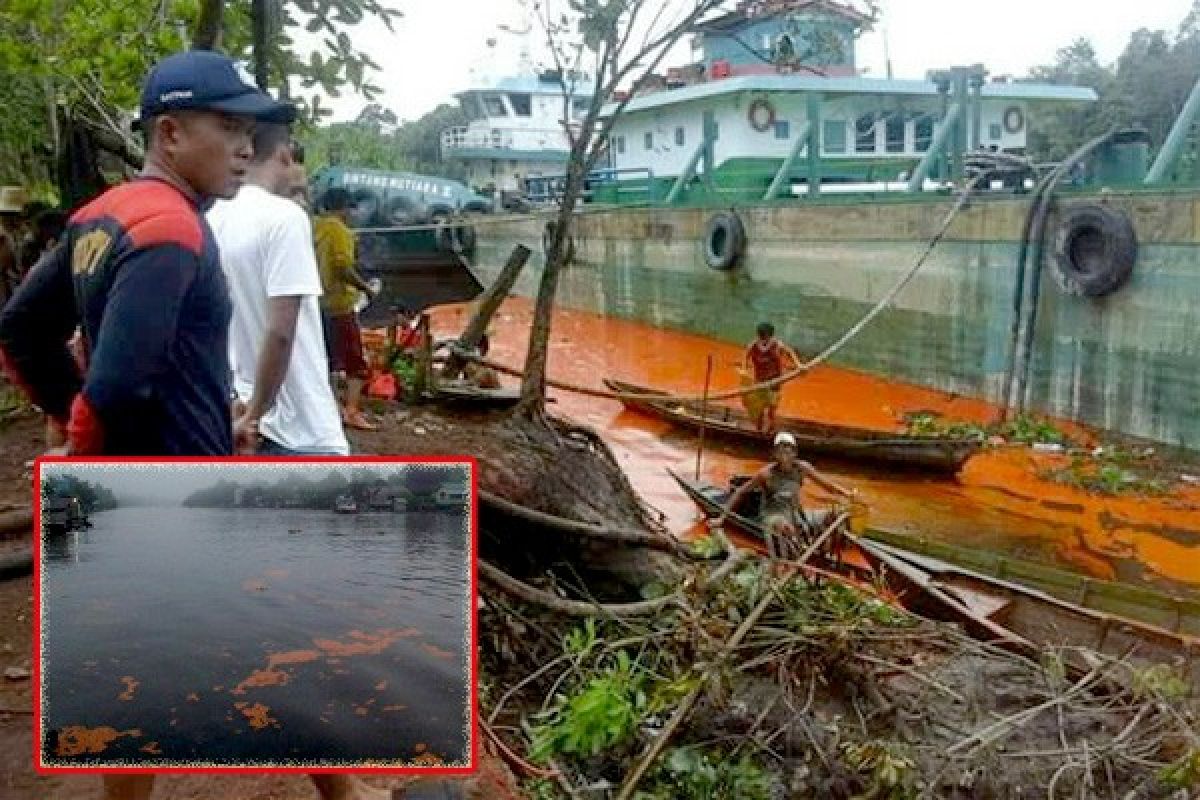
column 277, row 348
column 762, row 362
column 341, row 281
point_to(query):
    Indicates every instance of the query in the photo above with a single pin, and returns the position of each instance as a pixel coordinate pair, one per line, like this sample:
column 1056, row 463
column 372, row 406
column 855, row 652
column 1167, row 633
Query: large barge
column 764, row 186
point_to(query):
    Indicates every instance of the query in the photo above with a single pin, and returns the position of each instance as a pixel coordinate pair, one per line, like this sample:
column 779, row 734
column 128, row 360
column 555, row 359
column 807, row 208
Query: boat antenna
column 887, row 53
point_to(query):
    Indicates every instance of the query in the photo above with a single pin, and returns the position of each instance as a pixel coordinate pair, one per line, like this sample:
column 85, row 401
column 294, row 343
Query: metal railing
column 478, row 138
column 548, row 189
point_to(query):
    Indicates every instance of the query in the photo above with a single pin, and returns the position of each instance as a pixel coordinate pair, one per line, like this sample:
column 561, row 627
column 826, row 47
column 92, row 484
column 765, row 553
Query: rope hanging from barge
column 802, row 369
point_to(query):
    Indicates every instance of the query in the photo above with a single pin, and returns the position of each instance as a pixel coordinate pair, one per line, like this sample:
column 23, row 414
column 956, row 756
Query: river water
column 998, row 503
column 258, row 637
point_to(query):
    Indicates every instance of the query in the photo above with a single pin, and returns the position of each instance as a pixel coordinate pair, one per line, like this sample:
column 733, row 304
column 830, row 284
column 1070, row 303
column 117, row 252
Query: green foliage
column 690, row 774
column 891, row 775
column 580, row 641
column 603, row 714
column 91, row 497
column 1025, row 429
column 1115, row 471
column 90, row 56
column 1161, row 682
column 815, row 608
column 373, row 141
column 707, row 547
column 1146, row 87
column 541, row 789
column 1182, row 774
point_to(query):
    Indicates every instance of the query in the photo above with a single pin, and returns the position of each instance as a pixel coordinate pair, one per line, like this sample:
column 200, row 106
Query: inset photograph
column 255, row 615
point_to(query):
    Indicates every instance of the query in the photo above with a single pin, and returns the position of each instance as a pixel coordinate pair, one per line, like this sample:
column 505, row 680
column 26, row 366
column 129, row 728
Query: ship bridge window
column 494, row 106
column 923, row 134
column 864, row 134
column 894, row 134
column 619, row 141
column 522, row 104
column 649, row 140
column 994, row 132
column 833, row 134
column 783, row 129
column 680, row 137
column 580, row 105
column 471, row 107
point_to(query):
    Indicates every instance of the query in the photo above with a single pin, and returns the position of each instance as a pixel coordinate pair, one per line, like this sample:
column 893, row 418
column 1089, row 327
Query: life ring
column 1095, row 250
column 1014, row 119
column 761, row 115
column 724, row 241
column 548, row 235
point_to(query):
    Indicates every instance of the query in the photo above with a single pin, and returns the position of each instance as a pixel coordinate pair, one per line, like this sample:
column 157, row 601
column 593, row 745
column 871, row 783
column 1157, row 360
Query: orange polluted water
column 998, row 503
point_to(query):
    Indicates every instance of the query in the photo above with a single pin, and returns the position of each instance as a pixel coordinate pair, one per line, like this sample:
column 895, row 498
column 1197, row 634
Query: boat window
column 864, row 134
column 619, row 141
column 649, row 141
column 680, row 137
column 994, row 132
column 522, row 104
column 471, row 107
column 783, row 129
column 894, row 134
column 494, row 106
column 923, row 130
column 580, row 105
column 833, row 134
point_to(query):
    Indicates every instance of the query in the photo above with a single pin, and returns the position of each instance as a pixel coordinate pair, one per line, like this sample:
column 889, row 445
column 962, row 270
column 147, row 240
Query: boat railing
column 479, row 138
column 633, row 183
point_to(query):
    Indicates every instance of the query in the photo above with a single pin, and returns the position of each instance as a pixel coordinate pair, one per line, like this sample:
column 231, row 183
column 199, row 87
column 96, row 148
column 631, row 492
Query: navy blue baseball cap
column 202, row 80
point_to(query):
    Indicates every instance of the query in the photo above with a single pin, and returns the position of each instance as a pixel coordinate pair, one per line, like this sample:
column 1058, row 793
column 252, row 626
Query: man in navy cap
column 138, row 271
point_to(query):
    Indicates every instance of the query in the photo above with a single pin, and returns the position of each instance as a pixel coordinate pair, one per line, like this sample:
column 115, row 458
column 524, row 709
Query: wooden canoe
column 1008, row 614
column 927, row 453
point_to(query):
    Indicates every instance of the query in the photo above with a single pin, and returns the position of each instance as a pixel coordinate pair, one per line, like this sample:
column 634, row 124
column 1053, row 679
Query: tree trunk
column 261, row 20
column 487, row 308
column 209, row 25
column 421, row 380
column 533, row 386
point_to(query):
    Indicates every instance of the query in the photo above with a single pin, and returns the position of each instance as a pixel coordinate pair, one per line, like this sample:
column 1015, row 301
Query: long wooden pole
column 704, row 414
column 487, row 307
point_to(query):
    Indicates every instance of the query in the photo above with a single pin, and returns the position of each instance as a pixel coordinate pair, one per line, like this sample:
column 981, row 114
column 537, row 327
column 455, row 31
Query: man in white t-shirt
column 276, row 345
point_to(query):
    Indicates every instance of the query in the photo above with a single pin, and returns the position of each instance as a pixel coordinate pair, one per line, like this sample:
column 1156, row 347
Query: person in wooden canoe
column 764, row 361
column 783, row 515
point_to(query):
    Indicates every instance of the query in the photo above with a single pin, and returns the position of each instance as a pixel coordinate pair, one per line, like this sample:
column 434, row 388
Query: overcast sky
column 441, row 46
column 169, row 484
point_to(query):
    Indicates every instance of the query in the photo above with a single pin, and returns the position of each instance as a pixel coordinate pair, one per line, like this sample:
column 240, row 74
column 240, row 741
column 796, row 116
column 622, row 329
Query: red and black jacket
column 138, row 271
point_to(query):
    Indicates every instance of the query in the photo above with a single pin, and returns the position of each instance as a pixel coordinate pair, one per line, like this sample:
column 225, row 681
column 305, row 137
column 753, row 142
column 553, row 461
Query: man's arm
column 343, row 254
column 824, row 482
column 742, row 491
column 273, row 360
column 790, row 353
column 34, row 330
column 290, row 272
column 133, row 346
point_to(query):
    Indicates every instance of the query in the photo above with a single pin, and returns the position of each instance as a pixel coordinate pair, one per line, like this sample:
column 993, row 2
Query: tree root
column 654, row 541
column 573, row 608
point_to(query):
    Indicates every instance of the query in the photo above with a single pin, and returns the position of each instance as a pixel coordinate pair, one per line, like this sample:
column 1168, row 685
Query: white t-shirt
column 266, row 249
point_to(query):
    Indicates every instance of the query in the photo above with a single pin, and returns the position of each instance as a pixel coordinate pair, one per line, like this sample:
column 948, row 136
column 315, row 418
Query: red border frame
column 473, row 661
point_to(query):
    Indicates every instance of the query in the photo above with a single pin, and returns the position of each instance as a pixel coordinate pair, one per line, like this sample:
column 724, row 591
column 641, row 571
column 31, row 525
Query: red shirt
column 766, row 361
